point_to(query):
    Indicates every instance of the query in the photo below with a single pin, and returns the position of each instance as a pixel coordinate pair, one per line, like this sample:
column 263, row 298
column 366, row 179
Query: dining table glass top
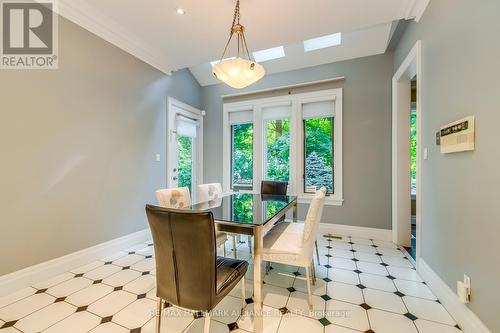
column 246, row 208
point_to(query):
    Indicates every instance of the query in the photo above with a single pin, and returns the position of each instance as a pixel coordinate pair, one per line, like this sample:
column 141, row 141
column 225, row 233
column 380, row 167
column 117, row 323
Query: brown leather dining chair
column 273, row 187
column 189, row 274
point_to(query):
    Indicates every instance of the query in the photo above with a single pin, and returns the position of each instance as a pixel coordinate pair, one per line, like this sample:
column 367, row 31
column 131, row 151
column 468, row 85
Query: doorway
column 407, row 153
column 184, row 146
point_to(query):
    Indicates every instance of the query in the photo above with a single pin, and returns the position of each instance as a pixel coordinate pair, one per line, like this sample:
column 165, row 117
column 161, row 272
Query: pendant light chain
column 242, row 42
column 238, row 72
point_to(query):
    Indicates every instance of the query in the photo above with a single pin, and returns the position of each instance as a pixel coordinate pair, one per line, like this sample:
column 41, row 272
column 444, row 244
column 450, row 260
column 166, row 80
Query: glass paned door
column 184, row 162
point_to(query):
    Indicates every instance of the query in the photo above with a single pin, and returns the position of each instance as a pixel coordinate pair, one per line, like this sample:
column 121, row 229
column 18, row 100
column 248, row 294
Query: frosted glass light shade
column 238, row 73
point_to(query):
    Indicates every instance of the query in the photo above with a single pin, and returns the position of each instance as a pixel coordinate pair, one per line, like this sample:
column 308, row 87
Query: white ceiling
column 155, row 33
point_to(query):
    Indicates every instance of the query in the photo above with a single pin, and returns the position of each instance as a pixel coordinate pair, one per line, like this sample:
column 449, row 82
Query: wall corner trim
column 468, row 321
column 45, row 270
column 354, row 231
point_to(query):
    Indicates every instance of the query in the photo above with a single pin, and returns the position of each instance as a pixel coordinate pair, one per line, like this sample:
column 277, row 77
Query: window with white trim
column 241, row 150
column 295, row 138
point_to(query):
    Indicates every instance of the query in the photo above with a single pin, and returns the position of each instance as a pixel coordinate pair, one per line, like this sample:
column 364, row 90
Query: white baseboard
column 361, row 232
column 466, row 319
column 45, row 270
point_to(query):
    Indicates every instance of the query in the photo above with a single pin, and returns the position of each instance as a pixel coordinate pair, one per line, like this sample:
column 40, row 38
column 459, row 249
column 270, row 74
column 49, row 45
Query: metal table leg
column 257, row 279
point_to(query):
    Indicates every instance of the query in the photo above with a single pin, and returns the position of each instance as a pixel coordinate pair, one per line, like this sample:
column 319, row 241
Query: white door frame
column 401, row 204
column 177, row 107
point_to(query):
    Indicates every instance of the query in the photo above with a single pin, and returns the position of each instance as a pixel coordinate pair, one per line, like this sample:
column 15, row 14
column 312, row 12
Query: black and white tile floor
column 362, row 286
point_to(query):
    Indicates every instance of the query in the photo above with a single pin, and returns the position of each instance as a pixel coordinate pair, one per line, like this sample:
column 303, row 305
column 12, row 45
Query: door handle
column 174, row 178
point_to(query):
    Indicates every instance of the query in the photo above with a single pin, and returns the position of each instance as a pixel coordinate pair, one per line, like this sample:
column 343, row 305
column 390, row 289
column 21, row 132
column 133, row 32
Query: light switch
column 426, row 153
column 158, row 157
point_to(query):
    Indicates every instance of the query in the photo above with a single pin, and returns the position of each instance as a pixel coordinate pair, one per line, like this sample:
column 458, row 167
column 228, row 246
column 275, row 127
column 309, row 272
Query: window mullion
column 258, row 144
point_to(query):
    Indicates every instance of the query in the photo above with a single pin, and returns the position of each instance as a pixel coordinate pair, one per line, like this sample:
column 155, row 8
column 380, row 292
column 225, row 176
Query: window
column 242, row 156
column 318, row 154
column 278, row 149
column 295, row 138
column 322, row 42
column 185, row 145
column 413, row 152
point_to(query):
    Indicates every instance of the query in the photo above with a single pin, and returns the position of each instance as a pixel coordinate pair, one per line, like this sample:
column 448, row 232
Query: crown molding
column 416, row 9
column 89, row 18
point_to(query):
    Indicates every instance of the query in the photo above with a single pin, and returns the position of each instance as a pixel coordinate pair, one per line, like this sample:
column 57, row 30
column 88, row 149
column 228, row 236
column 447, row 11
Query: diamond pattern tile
column 364, row 286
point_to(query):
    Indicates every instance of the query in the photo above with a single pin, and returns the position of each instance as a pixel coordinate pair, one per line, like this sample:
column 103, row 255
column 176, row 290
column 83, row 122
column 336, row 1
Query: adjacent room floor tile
column 110, row 327
column 69, row 287
column 136, row 314
column 86, row 268
column 345, row 292
column 146, row 265
column 215, row 326
column 347, row 315
column 342, row 263
column 342, row 253
column 425, row 326
column 24, row 307
column 102, row 272
column 54, row 281
column 174, row 320
column 414, row 288
column 89, row 295
column 128, row 260
column 228, row 310
column 372, row 268
column 355, row 292
column 344, row 276
column 141, row 285
column 46, row 317
column 273, row 296
column 16, row 296
column 112, row 303
column 384, row 301
column 362, row 241
column 397, row 261
column 79, row 322
column 114, row 256
column 338, row 329
column 377, row 282
column 272, row 318
column 386, row 322
column 427, row 309
column 121, row 278
column 298, row 324
column 319, row 288
column 364, row 248
column 404, row 273
column 297, row 304
column 369, row 257
column 279, row 278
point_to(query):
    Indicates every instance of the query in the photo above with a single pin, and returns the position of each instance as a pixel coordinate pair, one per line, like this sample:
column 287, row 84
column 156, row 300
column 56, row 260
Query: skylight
column 322, row 42
column 215, row 62
column 269, row 54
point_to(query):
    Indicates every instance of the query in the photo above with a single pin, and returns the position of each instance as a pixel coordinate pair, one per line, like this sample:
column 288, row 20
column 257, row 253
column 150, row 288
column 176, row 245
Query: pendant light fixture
column 238, row 72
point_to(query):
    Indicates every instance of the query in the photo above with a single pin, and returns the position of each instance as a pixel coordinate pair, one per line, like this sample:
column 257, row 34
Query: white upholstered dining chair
column 180, row 197
column 293, row 243
column 213, row 191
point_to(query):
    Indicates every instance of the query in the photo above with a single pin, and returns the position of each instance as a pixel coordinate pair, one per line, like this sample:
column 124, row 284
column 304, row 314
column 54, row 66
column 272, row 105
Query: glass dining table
column 254, row 215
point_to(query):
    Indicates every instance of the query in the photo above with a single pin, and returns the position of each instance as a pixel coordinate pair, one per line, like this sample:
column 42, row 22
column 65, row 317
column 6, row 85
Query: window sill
column 329, row 201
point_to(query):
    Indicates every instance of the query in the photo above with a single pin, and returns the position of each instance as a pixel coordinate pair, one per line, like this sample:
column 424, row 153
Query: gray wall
column 77, row 148
column 366, row 130
column 461, row 192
